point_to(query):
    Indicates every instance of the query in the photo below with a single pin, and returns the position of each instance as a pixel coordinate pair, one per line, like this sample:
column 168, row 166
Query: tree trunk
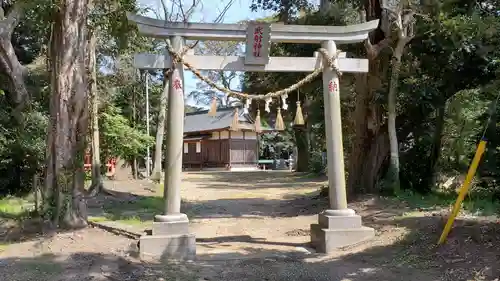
column 370, row 145
column 430, row 175
column 394, row 170
column 367, row 159
column 302, row 143
column 10, row 66
column 160, row 132
column 94, row 116
column 324, row 5
column 134, row 125
column 69, row 113
column 36, row 193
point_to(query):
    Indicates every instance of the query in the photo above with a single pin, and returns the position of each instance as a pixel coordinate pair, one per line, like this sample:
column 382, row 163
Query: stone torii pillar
column 338, row 226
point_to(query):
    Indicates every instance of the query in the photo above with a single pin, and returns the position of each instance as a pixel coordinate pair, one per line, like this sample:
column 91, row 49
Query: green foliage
column 275, row 145
column 316, row 163
column 22, row 151
column 33, row 31
column 119, row 139
column 109, row 20
column 463, row 125
column 436, row 200
column 280, row 6
column 457, row 68
column 451, row 66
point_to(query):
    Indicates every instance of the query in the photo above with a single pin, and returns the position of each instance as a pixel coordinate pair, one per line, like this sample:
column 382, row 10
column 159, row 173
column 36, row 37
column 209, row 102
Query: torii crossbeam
column 237, row 63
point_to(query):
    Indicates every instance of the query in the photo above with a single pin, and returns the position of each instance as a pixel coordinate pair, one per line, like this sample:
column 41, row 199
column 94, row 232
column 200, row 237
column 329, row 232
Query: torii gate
column 338, row 226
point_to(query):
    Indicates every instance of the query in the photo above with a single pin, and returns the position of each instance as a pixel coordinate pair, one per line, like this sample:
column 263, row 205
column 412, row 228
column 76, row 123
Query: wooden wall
column 192, row 157
column 215, row 153
column 243, row 152
column 223, row 149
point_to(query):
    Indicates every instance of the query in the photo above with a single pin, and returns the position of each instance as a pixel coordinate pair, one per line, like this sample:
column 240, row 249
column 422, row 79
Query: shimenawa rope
column 177, row 58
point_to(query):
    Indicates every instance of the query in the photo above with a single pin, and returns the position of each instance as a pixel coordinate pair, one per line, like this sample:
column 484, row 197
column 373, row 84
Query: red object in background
column 86, row 163
column 111, row 166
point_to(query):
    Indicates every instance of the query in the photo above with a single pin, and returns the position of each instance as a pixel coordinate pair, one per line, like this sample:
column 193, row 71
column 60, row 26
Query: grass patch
column 134, row 221
column 438, row 200
column 3, row 247
column 308, row 175
column 159, row 190
column 15, row 207
column 129, row 220
column 139, row 211
column 98, row 219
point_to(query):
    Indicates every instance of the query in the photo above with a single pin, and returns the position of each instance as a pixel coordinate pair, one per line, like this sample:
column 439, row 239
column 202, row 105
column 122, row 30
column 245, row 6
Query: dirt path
column 84, row 255
column 255, row 226
column 241, row 213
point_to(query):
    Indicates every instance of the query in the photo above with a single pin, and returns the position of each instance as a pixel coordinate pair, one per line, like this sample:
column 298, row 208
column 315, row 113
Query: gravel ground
column 255, row 226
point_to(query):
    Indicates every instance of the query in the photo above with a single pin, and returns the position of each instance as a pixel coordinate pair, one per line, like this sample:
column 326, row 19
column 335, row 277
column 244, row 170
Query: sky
column 208, row 12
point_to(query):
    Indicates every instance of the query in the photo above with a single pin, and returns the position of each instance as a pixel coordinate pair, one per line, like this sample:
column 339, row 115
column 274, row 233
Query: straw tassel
column 299, row 118
column 280, row 125
column 235, row 124
column 258, row 126
column 213, row 108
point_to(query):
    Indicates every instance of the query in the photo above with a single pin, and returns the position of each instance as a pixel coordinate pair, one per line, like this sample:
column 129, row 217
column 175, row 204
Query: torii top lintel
column 237, row 32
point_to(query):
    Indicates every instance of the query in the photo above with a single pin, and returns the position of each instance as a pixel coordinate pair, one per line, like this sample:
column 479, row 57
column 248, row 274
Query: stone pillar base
column 338, row 228
column 170, row 239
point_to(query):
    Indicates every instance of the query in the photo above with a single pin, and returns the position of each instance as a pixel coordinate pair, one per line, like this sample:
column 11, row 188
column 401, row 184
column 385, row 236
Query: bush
column 316, row 163
column 22, row 151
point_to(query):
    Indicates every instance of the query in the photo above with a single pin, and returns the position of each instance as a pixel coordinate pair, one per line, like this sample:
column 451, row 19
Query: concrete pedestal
column 338, row 228
column 170, row 239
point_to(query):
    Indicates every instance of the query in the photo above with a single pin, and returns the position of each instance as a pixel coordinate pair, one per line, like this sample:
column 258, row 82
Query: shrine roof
column 200, row 121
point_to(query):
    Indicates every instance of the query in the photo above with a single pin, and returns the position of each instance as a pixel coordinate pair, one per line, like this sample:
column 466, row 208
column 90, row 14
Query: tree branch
column 7, row 24
column 190, row 11
column 408, row 18
column 220, row 17
column 374, row 50
column 182, row 13
column 165, row 10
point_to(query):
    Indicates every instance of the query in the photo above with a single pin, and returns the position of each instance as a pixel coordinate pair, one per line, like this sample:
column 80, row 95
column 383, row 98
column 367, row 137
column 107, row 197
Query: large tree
column 68, row 112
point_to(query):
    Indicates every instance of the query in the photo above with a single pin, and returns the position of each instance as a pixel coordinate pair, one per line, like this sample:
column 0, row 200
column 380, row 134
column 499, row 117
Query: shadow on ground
column 214, row 241
column 88, row 266
column 28, row 229
column 471, row 253
column 126, row 206
column 143, row 207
